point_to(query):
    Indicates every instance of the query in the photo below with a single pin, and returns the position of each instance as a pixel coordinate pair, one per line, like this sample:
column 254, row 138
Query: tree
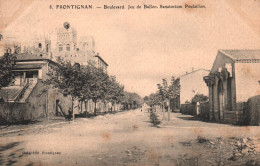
column 98, row 86
column 115, row 91
column 7, row 75
column 153, row 99
column 199, row 98
column 67, row 78
column 132, row 100
column 169, row 92
column 85, row 93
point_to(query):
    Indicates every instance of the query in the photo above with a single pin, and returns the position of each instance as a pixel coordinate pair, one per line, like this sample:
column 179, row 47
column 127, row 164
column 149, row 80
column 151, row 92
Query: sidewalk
column 39, row 123
column 44, row 122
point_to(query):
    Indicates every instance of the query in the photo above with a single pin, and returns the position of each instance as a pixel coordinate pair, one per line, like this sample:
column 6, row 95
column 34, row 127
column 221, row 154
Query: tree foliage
column 153, row 99
column 132, row 100
column 171, row 91
column 199, row 98
column 7, row 76
column 84, row 83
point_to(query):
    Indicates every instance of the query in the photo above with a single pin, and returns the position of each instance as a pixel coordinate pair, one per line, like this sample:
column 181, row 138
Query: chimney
column 192, row 69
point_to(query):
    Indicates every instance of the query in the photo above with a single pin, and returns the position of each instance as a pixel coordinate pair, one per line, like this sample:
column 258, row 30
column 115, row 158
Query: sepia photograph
column 129, row 83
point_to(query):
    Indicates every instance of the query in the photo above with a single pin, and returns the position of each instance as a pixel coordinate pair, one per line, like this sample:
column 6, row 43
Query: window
column 60, row 47
column 47, row 47
column 68, row 47
column 40, row 45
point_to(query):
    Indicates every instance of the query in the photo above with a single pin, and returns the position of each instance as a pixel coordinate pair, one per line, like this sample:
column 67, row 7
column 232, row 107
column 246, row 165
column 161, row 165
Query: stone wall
column 34, row 107
column 13, row 113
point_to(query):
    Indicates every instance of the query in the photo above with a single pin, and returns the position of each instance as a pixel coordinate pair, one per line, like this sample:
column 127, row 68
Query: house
column 191, row 83
column 28, row 98
column 234, row 77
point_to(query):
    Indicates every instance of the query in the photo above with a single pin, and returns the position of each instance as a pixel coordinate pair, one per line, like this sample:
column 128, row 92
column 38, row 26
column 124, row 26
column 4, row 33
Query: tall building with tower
column 68, row 47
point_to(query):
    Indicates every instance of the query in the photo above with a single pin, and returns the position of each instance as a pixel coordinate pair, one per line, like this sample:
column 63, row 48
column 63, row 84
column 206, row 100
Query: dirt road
column 129, row 138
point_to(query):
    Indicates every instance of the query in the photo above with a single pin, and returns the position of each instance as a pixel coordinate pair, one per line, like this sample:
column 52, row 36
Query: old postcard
column 130, row 82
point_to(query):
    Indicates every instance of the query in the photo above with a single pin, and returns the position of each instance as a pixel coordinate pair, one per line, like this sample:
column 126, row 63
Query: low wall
column 13, row 113
column 189, row 109
column 251, row 111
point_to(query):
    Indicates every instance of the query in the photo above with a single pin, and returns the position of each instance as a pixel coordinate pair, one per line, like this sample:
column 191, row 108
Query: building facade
column 68, row 47
column 100, row 63
column 191, row 84
column 234, row 77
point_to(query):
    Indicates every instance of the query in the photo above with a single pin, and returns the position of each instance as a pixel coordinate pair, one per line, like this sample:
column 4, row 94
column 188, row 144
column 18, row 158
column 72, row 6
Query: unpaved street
column 129, row 138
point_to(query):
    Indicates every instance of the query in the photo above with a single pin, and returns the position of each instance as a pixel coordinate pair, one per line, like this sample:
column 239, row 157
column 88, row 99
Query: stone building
column 234, row 77
column 68, row 47
column 27, row 95
column 29, row 98
column 100, row 63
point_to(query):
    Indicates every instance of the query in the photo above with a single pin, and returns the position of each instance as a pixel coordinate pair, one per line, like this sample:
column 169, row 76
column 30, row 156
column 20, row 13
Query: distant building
column 12, row 47
column 234, row 77
column 191, row 84
column 100, row 63
column 68, row 47
column 40, row 46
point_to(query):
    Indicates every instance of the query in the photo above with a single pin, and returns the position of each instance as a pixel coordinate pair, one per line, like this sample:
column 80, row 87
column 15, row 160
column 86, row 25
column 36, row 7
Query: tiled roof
column 26, row 56
column 29, row 66
column 242, row 54
column 101, row 59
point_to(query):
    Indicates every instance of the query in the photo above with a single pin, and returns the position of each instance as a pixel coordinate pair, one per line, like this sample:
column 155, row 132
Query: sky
column 142, row 46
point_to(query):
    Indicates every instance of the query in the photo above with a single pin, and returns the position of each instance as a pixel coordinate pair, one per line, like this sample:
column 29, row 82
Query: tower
column 66, row 39
column 87, row 43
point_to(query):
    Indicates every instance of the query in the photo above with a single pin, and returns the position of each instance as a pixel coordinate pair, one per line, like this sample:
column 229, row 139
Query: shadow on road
column 10, row 153
column 189, row 118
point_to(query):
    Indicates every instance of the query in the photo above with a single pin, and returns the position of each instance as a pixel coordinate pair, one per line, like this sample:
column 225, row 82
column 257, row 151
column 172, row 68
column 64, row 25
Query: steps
column 28, row 91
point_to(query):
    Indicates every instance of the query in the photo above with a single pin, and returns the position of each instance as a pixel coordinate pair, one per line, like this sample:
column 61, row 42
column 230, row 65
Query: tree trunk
column 95, row 109
column 86, row 106
column 163, row 110
column 105, row 107
column 81, row 104
column 169, row 111
column 72, row 102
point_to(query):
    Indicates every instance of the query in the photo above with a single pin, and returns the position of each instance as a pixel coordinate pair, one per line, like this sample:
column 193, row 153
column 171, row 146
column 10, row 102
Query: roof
column 242, row 54
column 26, row 56
column 29, row 66
column 101, row 59
column 32, row 57
column 194, row 72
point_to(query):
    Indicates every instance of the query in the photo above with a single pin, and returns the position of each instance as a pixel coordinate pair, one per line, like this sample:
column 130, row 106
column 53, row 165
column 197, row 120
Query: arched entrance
column 220, row 100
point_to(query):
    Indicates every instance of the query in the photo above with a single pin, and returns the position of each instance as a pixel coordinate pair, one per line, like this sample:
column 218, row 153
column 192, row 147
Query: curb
column 36, row 127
